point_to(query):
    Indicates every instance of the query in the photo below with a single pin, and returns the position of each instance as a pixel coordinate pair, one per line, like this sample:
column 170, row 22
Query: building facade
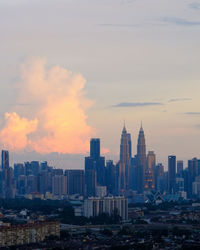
column 95, row 206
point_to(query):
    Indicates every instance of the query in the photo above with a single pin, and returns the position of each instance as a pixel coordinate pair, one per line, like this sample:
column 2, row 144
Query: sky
column 75, row 69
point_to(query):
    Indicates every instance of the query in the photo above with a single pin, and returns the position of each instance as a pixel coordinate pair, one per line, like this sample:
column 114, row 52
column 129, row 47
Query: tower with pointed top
column 141, row 160
column 124, row 163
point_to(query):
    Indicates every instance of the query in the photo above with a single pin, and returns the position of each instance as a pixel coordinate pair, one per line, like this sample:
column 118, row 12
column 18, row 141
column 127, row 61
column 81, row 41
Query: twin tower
column 143, row 173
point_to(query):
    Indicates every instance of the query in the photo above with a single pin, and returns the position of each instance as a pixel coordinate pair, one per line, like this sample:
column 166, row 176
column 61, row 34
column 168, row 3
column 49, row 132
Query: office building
column 179, row 168
column 94, row 206
column 141, row 160
column 59, row 186
column 192, row 174
column 171, row 174
column 4, row 159
column 75, row 182
column 149, row 171
column 124, row 162
column 94, row 168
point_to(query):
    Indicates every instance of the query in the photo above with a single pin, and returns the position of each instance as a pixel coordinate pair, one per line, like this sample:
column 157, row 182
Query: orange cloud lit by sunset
column 58, row 122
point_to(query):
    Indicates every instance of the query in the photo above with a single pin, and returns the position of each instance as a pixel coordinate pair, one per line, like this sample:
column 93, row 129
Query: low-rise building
column 28, row 233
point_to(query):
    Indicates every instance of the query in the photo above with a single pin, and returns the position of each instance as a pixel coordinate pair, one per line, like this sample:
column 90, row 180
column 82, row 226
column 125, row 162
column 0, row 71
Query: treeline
column 62, row 210
column 43, row 206
column 67, row 217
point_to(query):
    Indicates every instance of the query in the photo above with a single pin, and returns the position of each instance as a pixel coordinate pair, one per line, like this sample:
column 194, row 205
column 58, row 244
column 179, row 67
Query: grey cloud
column 117, row 25
column 195, row 6
column 180, row 21
column 192, row 113
column 127, row 1
column 22, row 104
column 197, row 126
column 179, row 99
column 137, row 104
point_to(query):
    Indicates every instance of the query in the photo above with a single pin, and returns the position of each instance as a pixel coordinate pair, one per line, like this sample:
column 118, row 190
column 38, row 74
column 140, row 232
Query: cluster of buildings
column 28, row 233
column 139, row 175
column 131, row 175
column 38, row 180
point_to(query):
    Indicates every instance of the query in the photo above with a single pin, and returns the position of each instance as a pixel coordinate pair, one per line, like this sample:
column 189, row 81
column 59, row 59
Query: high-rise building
column 149, row 171
column 95, row 206
column 124, row 163
column 95, row 148
column 59, row 185
column 158, row 176
column 179, row 168
column 192, row 173
column 32, row 184
column 19, row 170
column 172, row 174
column 4, row 159
column 133, row 173
column 94, row 168
column 75, row 181
column 90, row 181
column 141, row 160
column 8, row 181
column 111, row 178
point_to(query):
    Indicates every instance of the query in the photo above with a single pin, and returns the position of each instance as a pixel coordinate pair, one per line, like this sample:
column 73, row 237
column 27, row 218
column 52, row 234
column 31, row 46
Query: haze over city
column 69, row 74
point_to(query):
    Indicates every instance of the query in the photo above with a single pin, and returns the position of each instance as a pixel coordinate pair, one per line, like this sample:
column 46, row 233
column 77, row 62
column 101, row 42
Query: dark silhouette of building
column 171, row 174
column 158, row 176
column 179, row 168
column 94, row 168
column 75, row 181
column 141, row 160
column 192, row 173
column 111, row 178
column 133, row 173
column 149, row 171
column 4, row 159
column 125, row 158
column 95, row 148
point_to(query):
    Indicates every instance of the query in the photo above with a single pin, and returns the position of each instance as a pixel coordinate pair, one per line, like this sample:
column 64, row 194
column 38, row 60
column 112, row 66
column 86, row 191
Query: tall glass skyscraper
column 94, row 168
column 124, row 163
column 149, row 171
column 171, row 174
column 4, row 159
column 141, row 160
column 95, row 148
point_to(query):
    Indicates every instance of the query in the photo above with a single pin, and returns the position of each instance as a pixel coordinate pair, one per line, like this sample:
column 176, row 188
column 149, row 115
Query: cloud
column 137, row 104
column 180, row 21
column 192, row 113
column 15, row 133
column 197, row 126
column 117, row 25
column 195, row 6
column 179, row 99
column 127, row 1
column 56, row 121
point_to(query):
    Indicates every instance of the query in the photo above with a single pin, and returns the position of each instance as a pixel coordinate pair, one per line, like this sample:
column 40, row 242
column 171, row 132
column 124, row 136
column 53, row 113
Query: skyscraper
column 94, row 168
column 149, row 171
column 4, row 159
column 158, row 176
column 179, row 168
column 192, row 173
column 75, row 181
column 95, row 148
column 141, row 160
column 124, row 163
column 171, row 173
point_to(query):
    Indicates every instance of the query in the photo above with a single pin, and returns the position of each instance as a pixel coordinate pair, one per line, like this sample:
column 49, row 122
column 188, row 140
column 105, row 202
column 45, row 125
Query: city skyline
column 112, row 60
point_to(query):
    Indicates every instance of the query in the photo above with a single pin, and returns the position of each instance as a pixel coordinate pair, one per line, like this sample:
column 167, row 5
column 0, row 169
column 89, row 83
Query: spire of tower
column 124, row 128
column 141, row 128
